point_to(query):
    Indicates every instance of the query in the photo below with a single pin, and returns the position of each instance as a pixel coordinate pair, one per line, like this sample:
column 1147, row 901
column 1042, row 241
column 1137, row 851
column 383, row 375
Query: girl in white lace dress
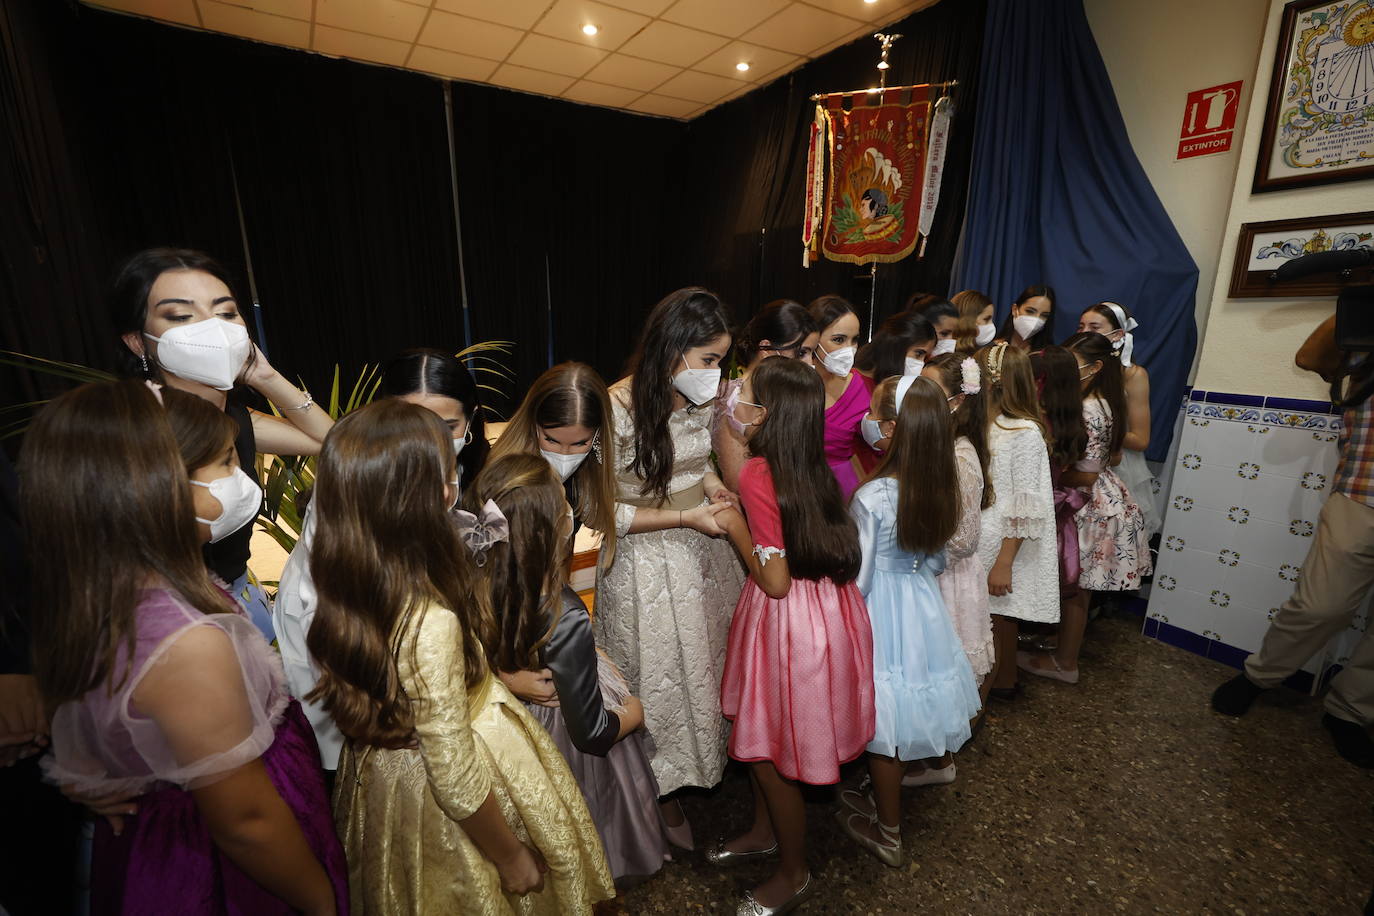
column 663, row 608
column 1017, row 543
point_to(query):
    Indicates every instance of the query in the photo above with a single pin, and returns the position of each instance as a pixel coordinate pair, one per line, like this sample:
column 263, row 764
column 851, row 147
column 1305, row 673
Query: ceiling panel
column 670, row 58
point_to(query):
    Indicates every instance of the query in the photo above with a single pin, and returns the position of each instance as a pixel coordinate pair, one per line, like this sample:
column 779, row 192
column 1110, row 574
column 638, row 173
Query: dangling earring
column 596, row 446
column 142, row 358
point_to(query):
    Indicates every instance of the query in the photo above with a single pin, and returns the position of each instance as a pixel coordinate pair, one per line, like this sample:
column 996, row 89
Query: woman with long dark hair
column 1061, row 401
column 440, row 382
column 180, row 324
column 846, row 391
column 450, row 796
column 781, row 328
column 663, row 607
column 798, row 679
column 1029, row 326
column 1113, row 547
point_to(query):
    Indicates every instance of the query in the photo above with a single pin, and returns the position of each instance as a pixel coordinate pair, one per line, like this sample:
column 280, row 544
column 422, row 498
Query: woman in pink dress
column 798, row 680
column 847, row 392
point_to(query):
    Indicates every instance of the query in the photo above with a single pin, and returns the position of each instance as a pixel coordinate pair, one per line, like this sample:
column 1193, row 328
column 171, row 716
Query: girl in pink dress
column 798, row 680
column 847, row 392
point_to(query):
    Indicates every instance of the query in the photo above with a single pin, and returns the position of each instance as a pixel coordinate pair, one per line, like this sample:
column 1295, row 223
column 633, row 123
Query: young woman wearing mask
column 975, row 328
column 181, row 326
column 1028, row 326
column 847, row 392
column 441, row 383
column 781, row 328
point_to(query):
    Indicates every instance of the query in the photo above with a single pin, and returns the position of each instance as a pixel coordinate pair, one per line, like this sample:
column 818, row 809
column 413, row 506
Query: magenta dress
column 798, row 680
column 165, row 861
column 842, row 437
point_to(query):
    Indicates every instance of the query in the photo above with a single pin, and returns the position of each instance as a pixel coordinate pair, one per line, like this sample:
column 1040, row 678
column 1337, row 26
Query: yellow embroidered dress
column 397, row 811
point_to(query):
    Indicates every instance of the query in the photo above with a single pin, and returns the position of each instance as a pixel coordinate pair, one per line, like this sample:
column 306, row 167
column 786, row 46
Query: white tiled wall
column 1248, row 483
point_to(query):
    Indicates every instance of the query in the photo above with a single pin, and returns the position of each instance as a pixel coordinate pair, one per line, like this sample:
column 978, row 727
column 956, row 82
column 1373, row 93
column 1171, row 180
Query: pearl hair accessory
column 972, row 381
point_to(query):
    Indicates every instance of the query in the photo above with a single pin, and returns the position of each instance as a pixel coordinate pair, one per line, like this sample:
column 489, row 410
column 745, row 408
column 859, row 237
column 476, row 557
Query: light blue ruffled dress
column 925, row 692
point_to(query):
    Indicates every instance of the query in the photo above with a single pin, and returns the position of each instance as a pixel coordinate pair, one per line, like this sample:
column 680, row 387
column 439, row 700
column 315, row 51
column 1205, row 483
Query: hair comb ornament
column 996, row 353
column 1126, row 344
column 972, row 377
column 480, row 532
column 596, row 446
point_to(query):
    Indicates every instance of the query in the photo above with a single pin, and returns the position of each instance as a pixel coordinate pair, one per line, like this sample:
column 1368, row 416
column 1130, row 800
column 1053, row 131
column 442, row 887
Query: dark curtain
column 743, row 173
column 1057, row 196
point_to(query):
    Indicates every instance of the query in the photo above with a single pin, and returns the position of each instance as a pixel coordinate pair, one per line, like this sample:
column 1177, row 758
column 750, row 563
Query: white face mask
column 240, row 498
column 913, row 366
column 986, row 332
column 838, row 362
column 1027, row 326
column 459, row 443
column 211, row 352
column 872, row 432
column 943, row 346
column 697, row 385
column 564, row 465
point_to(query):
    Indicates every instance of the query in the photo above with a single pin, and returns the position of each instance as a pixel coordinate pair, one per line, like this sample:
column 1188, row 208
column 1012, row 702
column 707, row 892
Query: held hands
column 703, row 518
column 999, row 579
column 532, row 686
column 522, row 873
column 729, row 519
column 723, row 496
column 113, row 807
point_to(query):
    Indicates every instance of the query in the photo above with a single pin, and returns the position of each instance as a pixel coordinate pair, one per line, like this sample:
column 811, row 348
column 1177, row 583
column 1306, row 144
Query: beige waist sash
column 680, row 501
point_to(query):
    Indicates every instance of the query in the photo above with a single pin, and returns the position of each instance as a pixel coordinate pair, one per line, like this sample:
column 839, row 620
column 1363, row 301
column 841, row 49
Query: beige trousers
column 1336, row 576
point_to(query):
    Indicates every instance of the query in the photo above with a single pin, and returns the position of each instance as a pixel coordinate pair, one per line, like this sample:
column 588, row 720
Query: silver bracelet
column 309, row 400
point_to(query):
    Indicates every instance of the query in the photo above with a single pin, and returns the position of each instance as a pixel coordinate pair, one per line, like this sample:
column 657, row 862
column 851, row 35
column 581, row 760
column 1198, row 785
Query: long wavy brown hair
column 108, row 510
column 1009, row 392
column 951, row 369
column 572, row 394
column 970, row 303
column 821, row 538
column 385, row 553
column 1061, row 400
column 523, row 576
column 1109, row 383
column 687, row 318
column 921, row 459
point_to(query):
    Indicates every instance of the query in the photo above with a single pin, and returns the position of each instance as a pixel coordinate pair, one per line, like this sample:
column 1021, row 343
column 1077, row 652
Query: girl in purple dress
column 847, row 392
column 160, row 684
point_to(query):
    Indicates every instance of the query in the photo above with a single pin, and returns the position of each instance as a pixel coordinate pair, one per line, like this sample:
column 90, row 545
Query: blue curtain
column 1057, row 196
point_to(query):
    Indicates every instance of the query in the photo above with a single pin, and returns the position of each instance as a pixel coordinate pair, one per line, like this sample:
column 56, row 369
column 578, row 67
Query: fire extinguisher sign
column 1209, row 120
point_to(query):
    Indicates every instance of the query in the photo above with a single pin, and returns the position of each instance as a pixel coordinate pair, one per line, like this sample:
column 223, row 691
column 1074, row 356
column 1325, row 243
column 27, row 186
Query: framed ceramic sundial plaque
column 1319, row 126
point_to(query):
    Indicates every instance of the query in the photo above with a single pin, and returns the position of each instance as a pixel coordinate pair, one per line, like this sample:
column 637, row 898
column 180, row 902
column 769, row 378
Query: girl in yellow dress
column 450, row 798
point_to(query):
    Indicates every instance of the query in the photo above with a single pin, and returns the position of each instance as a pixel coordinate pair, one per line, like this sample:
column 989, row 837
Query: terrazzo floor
column 1124, row 794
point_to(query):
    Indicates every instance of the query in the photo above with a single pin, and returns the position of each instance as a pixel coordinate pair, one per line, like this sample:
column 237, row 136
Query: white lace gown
column 964, row 583
column 663, row 610
column 1023, row 507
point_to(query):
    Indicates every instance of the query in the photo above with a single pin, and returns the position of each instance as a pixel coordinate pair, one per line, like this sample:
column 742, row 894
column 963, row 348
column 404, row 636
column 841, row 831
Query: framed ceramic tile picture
column 1319, row 123
column 1265, row 247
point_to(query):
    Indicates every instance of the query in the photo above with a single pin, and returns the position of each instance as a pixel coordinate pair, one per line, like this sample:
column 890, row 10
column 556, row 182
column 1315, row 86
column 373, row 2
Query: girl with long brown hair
column 925, row 693
column 975, row 328
column 1113, row 544
column 541, row 623
column 663, row 607
column 1061, row 402
column 1017, row 545
column 450, row 797
column 160, row 683
column 798, row 681
column 964, row 582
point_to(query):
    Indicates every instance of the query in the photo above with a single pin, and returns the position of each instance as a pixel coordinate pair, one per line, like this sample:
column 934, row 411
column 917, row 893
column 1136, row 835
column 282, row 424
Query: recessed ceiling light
column 589, row 29
column 870, row 1
column 742, row 66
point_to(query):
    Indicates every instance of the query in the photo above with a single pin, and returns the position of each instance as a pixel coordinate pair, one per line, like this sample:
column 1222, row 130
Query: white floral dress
column 964, row 584
column 1113, row 540
column 1023, row 507
column 663, row 609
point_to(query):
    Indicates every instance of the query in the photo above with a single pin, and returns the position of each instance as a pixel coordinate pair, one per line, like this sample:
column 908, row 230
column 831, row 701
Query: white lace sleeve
column 767, row 553
column 1031, row 500
column 965, row 540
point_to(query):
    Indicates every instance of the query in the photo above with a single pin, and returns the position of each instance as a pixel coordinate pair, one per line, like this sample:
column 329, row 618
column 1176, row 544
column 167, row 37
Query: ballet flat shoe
column 930, row 777
column 751, row 907
column 719, row 855
column 681, row 835
column 891, row 856
column 1023, row 661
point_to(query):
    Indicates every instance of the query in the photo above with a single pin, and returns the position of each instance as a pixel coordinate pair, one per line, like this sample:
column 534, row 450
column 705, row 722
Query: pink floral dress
column 1113, row 543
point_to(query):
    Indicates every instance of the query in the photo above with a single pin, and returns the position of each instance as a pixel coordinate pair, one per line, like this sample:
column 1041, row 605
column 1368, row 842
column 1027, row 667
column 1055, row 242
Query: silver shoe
column 890, row 856
column 717, row 854
column 751, row 907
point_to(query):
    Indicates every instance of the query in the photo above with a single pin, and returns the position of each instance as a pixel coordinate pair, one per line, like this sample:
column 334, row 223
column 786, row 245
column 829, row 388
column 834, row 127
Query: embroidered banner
column 877, row 170
column 815, row 187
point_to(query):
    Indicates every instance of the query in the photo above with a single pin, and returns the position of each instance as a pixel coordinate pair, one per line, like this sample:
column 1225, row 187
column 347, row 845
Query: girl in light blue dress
column 925, row 691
